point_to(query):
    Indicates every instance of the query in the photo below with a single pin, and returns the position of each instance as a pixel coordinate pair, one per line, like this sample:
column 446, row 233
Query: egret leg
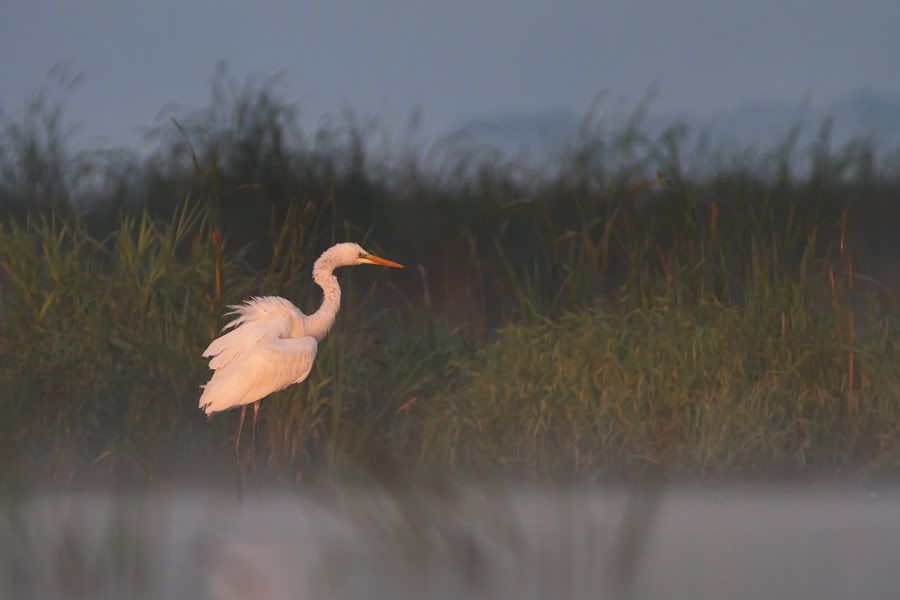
column 237, row 454
column 237, row 437
column 253, row 435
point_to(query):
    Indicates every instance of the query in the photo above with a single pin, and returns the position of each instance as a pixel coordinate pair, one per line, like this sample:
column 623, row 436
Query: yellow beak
column 377, row 260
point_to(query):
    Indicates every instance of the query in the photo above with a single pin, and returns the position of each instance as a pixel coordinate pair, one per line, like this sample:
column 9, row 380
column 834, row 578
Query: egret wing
column 258, row 318
column 271, row 365
column 231, row 346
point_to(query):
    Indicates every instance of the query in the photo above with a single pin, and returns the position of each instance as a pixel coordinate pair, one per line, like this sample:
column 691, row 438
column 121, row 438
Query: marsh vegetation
column 615, row 309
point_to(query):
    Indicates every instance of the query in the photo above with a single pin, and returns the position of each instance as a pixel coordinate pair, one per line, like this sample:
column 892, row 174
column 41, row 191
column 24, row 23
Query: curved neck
column 320, row 322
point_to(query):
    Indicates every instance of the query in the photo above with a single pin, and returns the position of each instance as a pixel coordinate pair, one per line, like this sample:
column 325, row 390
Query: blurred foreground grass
column 597, row 319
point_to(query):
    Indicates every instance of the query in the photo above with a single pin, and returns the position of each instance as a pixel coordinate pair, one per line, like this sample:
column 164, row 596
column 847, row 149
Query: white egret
column 272, row 344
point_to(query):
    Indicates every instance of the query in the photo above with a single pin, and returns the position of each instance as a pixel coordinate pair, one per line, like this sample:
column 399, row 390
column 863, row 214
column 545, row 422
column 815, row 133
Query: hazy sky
column 456, row 59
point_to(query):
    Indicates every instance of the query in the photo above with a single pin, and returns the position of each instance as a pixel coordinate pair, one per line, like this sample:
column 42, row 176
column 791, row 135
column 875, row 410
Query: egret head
column 349, row 253
column 364, row 258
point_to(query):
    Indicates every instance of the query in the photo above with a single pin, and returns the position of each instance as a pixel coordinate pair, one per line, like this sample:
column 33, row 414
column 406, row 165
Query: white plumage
column 271, row 343
column 258, row 356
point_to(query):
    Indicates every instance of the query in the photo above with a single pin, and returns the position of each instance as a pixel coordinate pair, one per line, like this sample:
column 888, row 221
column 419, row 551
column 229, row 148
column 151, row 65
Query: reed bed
column 616, row 312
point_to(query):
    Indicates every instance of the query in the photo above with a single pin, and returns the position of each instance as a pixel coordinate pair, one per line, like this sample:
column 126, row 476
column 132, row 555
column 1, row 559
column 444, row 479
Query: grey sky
column 455, row 59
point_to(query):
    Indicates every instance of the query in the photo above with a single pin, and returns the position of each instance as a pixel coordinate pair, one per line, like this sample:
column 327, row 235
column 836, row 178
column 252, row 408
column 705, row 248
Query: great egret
column 272, row 344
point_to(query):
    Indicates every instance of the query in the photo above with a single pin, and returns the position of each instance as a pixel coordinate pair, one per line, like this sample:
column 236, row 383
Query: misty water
column 476, row 541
